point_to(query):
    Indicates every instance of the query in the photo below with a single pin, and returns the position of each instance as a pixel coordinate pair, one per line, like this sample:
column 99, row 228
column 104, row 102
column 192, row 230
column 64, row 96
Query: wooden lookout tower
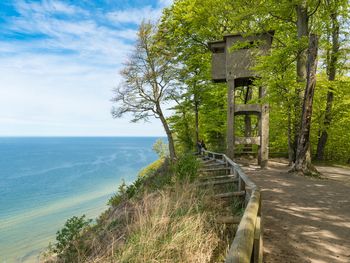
column 232, row 60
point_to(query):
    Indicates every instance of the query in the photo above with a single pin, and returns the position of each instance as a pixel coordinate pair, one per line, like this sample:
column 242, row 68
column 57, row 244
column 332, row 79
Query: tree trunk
column 331, row 72
column 196, row 120
column 188, row 136
column 303, row 160
column 302, row 32
column 168, row 133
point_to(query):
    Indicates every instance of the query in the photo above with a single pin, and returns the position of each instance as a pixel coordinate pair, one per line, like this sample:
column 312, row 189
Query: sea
column 46, row 180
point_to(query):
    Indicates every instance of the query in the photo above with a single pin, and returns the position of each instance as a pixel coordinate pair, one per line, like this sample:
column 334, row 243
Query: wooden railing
column 247, row 245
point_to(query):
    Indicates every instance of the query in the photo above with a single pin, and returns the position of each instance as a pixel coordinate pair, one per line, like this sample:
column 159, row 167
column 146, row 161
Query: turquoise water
column 44, row 181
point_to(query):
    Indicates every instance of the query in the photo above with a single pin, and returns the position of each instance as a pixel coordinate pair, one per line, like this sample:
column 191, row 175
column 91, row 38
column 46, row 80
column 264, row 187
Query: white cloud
column 61, row 84
column 48, row 103
column 47, row 7
column 134, row 15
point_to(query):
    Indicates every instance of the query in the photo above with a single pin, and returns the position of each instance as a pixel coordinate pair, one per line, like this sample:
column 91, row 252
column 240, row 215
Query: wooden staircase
column 230, row 184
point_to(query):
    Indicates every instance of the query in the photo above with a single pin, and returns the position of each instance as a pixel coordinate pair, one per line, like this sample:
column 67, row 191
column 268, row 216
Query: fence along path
column 247, row 245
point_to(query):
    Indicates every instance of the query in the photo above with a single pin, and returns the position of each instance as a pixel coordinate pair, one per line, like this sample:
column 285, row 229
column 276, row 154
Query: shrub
column 161, row 148
column 152, row 177
column 120, row 196
column 186, row 168
column 68, row 236
column 151, row 169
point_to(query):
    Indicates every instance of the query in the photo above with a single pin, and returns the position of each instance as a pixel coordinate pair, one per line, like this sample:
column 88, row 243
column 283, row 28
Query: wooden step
column 217, row 182
column 207, row 161
column 215, row 169
column 215, row 165
column 230, row 194
column 214, row 161
column 217, row 177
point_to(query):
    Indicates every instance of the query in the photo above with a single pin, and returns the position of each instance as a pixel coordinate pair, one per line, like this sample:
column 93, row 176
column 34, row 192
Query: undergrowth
column 161, row 217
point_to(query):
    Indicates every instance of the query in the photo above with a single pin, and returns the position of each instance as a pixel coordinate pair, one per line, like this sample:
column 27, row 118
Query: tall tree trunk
column 188, row 136
column 302, row 33
column 331, row 71
column 168, row 133
column 196, row 119
column 303, row 160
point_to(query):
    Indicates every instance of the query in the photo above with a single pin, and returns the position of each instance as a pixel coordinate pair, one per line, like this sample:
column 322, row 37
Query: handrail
column 247, row 244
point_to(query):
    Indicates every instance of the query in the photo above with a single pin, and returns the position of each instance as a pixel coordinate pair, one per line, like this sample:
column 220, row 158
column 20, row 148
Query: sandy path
column 305, row 219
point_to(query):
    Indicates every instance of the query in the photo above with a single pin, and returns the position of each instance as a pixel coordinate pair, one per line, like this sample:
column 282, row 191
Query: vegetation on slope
column 161, row 217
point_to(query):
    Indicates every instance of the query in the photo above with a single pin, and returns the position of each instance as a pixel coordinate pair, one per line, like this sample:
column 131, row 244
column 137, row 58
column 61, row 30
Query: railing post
column 241, row 184
column 258, row 246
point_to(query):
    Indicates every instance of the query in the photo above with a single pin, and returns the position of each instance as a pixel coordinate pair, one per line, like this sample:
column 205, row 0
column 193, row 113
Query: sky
column 59, row 62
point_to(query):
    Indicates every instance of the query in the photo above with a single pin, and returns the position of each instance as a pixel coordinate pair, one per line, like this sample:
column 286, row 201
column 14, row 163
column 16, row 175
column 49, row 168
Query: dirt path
column 305, row 219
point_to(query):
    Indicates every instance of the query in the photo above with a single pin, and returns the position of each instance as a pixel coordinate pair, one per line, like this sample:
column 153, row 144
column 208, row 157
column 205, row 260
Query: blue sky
column 59, row 61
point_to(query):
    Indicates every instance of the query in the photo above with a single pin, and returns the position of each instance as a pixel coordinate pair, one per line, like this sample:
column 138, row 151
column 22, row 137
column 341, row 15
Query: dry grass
column 173, row 225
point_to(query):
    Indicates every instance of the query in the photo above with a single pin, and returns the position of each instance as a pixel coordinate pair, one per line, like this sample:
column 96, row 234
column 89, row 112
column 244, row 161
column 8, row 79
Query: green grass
column 161, row 217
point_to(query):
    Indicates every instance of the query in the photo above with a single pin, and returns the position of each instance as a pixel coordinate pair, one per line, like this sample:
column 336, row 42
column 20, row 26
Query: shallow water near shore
column 45, row 181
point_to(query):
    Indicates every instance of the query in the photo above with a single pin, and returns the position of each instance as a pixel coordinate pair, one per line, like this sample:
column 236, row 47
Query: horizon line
column 77, row 136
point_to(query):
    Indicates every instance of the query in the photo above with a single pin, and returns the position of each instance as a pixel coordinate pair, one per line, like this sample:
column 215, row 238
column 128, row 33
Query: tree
column 334, row 11
column 148, row 81
column 189, row 25
column 302, row 163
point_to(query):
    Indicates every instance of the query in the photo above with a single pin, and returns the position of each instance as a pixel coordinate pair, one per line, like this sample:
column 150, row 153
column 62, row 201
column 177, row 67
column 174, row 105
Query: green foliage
column 153, row 177
column 126, row 192
column 338, row 144
column 186, row 168
column 161, row 148
column 68, row 237
column 151, row 169
column 187, row 26
column 120, row 196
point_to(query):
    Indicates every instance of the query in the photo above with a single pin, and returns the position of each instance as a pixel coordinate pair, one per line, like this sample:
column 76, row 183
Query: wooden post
column 264, row 137
column 241, row 184
column 230, row 118
column 263, row 150
column 258, row 247
column 248, row 121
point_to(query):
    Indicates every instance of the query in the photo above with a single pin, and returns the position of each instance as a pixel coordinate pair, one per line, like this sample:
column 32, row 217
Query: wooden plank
column 230, row 194
column 217, row 182
column 217, row 177
column 241, row 184
column 214, row 165
column 208, row 161
column 242, row 246
column 247, row 140
column 247, row 109
column 215, row 169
